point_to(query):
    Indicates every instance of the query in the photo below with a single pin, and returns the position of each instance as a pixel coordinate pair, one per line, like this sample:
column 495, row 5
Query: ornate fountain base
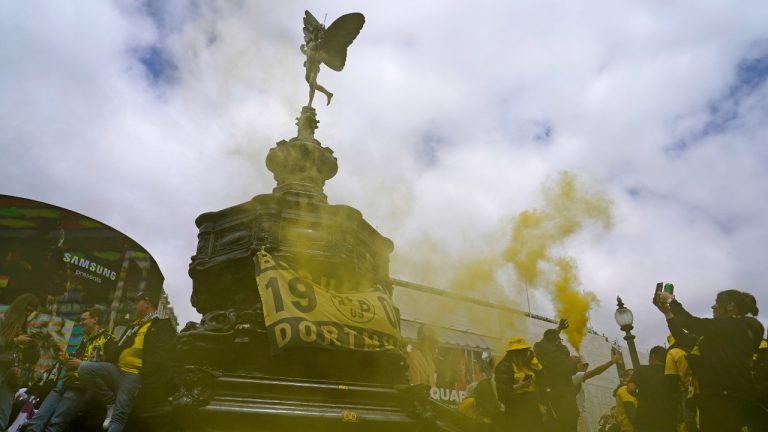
column 209, row 401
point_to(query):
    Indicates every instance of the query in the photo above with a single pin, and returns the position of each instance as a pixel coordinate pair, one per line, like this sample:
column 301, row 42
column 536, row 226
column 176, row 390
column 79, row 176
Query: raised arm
column 695, row 325
column 602, row 368
column 683, row 339
column 683, row 318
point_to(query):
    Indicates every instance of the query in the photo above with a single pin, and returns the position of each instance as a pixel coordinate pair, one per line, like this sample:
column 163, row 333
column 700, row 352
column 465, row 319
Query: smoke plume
column 568, row 207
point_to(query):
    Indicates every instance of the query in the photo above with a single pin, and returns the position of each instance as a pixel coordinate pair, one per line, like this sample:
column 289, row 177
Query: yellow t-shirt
column 467, row 406
column 622, row 395
column 420, row 369
column 131, row 358
column 677, row 364
column 90, row 343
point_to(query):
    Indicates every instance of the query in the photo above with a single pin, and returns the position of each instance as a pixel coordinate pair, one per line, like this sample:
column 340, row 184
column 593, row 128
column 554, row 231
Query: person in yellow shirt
column 625, row 403
column 145, row 349
column 516, row 387
column 421, row 366
column 62, row 404
column 481, row 401
column 676, row 367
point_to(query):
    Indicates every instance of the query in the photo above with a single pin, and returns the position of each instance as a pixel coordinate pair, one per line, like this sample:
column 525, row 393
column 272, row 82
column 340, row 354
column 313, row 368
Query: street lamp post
column 624, row 319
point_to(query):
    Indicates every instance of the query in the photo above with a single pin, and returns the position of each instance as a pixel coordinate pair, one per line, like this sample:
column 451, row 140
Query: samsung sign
column 96, row 270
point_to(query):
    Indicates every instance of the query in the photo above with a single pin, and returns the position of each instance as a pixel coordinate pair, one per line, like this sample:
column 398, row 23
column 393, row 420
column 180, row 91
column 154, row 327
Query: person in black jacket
column 657, row 395
column 722, row 359
column 760, row 371
column 143, row 364
column 556, row 379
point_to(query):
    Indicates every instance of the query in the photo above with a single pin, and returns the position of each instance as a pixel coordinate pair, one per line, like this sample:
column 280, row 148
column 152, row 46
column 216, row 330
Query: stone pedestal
column 332, row 245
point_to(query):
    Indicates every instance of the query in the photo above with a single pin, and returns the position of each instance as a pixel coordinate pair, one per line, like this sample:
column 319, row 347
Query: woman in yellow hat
column 516, row 387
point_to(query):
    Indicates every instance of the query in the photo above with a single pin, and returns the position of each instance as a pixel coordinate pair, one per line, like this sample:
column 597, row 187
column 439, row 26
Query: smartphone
column 528, row 377
column 659, row 288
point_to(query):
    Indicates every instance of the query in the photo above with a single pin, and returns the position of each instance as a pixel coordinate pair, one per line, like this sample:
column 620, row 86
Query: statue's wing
column 310, row 25
column 338, row 37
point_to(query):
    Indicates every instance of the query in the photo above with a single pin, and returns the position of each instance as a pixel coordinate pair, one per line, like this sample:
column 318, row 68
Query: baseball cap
column 149, row 296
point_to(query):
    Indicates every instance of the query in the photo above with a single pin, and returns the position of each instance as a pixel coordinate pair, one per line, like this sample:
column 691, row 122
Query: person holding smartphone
column 721, row 360
column 62, row 404
column 515, row 377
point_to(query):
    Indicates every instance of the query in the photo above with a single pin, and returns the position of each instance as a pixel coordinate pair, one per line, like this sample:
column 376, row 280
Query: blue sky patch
column 751, row 73
column 428, row 147
column 158, row 65
column 544, row 131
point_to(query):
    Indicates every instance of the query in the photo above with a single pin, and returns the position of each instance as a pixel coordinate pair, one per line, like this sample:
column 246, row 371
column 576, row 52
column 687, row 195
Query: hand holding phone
column 665, row 297
column 526, row 382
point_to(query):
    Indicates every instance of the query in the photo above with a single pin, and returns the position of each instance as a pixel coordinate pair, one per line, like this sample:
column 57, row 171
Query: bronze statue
column 327, row 46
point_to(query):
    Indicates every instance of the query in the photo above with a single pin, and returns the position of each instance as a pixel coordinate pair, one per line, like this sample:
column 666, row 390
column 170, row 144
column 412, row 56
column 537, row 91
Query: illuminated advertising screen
column 71, row 263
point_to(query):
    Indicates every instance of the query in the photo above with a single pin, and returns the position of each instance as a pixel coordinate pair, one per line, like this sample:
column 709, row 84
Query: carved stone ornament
column 194, row 386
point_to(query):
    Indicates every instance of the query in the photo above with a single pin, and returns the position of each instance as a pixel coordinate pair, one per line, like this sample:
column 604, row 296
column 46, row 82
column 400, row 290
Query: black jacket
column 726, row 350
column 558, row 367
column 110, row 354
column 157, row 354
column 657, row 398
column 504, row 375
column 684, row 340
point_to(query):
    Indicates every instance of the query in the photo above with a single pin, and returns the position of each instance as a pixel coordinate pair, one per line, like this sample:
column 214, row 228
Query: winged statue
column 327, row 46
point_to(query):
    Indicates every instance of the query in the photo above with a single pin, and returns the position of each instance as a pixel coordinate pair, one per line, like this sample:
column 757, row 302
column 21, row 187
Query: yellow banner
column 298, row 312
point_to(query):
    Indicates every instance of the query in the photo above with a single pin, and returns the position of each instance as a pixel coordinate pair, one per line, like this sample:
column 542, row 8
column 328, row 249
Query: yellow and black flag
column 298, row 312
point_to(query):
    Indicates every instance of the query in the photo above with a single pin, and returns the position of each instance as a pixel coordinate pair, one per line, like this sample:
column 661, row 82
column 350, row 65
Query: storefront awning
column 446, row 336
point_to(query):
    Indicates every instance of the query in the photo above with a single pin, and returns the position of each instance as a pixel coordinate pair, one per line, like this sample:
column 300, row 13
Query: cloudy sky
column 447, row 119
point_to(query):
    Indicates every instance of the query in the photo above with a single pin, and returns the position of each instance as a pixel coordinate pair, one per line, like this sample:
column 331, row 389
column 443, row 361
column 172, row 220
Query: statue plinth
column 301, row 165
column 332, row 245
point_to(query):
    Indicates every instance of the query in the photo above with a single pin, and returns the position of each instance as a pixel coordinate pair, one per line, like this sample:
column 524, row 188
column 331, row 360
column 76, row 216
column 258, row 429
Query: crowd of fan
column 104, row 375
column 713, row 377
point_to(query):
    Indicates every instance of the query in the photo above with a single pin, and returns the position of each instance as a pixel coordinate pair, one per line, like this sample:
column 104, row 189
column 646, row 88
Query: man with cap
column 142, row 364
column 558, row 390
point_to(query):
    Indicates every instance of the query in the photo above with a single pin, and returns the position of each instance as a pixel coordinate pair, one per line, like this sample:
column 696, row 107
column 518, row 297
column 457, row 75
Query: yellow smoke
column 571, row 303
column 568, row 206
column 476, row 276
column 472, row 272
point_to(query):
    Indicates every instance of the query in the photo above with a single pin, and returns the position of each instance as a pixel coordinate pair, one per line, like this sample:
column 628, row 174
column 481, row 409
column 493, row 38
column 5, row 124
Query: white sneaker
column 108, row 418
